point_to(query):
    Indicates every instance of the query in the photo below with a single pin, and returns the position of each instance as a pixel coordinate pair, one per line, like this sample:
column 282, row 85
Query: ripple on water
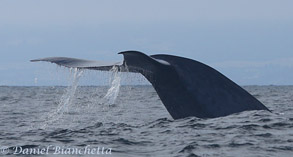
column 188, row 149
column 235, row 144
column 250, row 127
column 5, row 98
column 266, row 135
column 129, row 142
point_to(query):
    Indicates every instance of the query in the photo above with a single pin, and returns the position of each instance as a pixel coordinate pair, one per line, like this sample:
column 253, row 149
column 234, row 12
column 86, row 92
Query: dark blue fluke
column 185, row 86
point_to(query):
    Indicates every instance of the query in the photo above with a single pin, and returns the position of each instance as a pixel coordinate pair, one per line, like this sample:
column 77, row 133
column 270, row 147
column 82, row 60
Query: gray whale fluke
column 185, row 86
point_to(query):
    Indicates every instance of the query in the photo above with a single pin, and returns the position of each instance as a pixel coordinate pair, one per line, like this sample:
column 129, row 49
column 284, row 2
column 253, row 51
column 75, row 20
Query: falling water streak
column 108, row 101
column 65, row 101
column 115, row 83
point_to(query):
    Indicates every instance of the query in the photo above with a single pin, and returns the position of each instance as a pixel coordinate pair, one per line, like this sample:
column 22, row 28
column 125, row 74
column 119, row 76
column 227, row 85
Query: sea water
column 132, row 121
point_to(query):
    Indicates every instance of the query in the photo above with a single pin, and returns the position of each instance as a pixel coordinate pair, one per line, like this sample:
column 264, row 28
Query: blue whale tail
column 186, row 87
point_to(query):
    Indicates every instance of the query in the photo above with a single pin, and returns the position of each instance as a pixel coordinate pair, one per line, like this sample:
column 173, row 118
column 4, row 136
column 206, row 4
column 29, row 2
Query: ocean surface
column 132, row 121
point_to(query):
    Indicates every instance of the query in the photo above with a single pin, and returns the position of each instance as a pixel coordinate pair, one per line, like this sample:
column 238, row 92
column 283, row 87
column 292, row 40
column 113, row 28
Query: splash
column 66, row 99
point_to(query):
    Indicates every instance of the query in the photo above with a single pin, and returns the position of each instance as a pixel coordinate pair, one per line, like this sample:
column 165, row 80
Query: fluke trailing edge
column 185, row 86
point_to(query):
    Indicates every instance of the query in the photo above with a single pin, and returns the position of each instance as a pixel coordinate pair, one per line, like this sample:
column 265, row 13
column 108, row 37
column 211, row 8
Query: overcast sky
column 250, row 41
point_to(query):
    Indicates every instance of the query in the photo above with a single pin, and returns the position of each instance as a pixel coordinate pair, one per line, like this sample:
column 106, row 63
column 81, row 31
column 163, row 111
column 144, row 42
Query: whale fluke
column 186, row 87
column 79, row 63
